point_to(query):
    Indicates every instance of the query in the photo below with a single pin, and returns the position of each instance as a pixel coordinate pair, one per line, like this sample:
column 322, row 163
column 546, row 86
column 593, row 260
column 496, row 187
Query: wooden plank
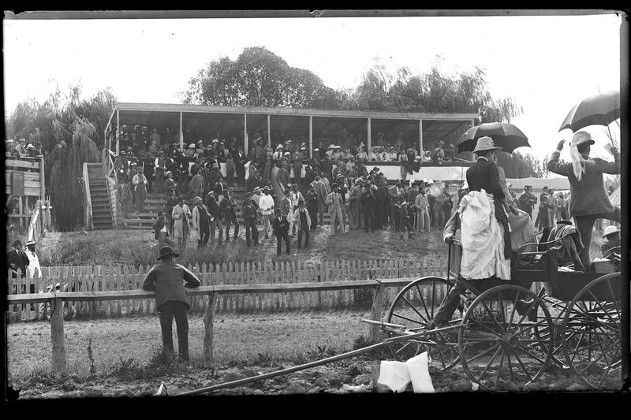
column 209, row 321
column 12, row 164
column 57, row 336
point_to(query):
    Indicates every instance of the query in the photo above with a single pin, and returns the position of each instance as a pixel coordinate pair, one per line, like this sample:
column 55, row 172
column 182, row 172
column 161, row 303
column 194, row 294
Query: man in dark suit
column 17, row 259
column 280, row 225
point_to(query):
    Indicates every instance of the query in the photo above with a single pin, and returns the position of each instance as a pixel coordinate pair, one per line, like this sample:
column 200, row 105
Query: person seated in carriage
column 611, row 245
column 482, row 220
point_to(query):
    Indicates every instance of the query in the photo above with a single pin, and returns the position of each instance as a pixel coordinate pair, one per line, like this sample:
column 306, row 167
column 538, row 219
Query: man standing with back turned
column 169, row 280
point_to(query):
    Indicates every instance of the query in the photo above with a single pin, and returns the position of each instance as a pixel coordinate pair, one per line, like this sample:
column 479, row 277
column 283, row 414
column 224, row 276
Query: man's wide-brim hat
column 31, row 242
column 609, row 230
column 257, row 189
column 266, row 188
column 165, row 251
column 485, row 143
column 564, row 222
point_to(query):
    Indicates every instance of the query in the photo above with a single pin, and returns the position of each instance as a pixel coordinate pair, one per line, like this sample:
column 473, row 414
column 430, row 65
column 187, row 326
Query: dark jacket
column 281, row 227
column 484, row 175
column 17, row 261
column 249, row 213
column 169, row 282
column 587, row 196
column 159, row 224
column 228, row 208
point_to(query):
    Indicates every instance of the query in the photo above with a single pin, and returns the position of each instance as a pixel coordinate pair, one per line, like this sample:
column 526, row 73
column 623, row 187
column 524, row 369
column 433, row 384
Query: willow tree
column 70, row 128
column 67, row 192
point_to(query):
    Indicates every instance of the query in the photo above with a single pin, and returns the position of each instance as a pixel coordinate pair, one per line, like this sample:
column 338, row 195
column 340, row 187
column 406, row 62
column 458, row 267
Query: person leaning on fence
column 588, row 198
column 281, row 231
column 169, row 281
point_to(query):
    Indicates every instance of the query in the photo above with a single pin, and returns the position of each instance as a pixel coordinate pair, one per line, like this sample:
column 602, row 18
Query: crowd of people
column 22, row 148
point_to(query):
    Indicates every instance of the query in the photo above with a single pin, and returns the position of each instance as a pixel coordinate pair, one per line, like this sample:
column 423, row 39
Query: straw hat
column 485, row 143
column 609, row 230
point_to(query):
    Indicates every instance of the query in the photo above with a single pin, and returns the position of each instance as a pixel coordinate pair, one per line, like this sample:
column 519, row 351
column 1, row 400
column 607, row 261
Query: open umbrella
column 504, row 135
column 601, row 109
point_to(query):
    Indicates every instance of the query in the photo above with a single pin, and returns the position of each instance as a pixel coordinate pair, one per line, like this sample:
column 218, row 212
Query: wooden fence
column 120, row 278
column 56, row 300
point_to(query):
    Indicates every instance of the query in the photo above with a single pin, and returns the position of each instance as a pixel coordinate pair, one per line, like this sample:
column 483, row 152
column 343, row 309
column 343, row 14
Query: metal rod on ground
column 314, row 364
column 284, row 371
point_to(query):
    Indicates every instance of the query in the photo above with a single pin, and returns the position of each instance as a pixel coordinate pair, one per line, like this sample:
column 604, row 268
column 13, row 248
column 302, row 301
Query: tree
column 71, row 133
column 258, row 77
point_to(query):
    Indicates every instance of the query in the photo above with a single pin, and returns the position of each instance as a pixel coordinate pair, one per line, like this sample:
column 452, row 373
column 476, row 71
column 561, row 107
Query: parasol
column 504, row 135
column 601, row 109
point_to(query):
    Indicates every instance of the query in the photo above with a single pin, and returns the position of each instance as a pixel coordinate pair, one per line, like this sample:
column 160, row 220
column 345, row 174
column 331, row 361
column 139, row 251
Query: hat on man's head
column 257, row 189
column 165, row 251
column 564, row 222
column 610, row 230
column 485, row 143
column 191, row 146
column 316, row 150
column 215, row 141
column 287, row 153
column 266, row 188
column 31, row 242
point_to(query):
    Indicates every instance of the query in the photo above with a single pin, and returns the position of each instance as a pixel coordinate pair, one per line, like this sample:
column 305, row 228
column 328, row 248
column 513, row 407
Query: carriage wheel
column 415, row 306
column 592, row 330
column 498, row 346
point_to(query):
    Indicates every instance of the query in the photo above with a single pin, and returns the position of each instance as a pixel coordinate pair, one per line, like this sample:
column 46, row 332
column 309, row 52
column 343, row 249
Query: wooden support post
column 57, row 335
column 209, row 320
column 369, row 135
column 420, row 139
column 375, row 333
column 310, row 136
column 269, row 131
column 245, row 134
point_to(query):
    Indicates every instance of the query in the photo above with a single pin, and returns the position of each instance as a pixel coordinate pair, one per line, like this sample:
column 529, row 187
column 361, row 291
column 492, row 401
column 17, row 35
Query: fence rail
column 90, row 279
column 57, row 300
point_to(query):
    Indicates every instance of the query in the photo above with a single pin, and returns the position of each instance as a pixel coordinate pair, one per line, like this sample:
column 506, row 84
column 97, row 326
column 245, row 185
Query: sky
column 545, row 63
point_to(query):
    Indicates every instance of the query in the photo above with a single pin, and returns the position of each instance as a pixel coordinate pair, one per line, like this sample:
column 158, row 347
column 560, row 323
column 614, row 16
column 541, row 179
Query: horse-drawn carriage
column 506, row 335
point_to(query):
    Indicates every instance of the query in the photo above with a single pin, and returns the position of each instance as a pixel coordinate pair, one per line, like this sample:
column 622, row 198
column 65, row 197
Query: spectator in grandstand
column 169, row 184
column 169, row 281
column 406, row 222
column 422, row 205
column 281, row 229
column 124, row 196
column 266, row 209
column 527, row 200
column 438, row 155
column 335, row 203
column 303, row 223
column 249, row 213
column 228, row 208
column 215, row 216
column 160, row 231
column 181, row 214
column 294, row 196
column 196, row 186
column 160, row 168
column 20, row 147
column 171, row 202
column 312, row 207
column 139, row 182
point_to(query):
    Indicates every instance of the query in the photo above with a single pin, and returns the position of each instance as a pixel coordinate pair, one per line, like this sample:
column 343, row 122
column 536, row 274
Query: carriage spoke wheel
column 592, row 329
column 499, row 349
column 415, row 306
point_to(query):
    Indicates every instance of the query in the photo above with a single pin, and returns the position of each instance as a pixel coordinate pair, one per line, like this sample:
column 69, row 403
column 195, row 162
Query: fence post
column 374, row 331
column 57, row 335
column 209, row 320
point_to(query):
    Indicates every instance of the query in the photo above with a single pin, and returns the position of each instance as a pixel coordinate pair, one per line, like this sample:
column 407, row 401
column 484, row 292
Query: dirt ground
column 245, row 346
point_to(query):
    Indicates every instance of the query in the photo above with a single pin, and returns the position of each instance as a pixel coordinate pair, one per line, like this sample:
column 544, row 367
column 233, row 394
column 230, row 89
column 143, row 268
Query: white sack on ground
column 394, row 375
column 418, row 368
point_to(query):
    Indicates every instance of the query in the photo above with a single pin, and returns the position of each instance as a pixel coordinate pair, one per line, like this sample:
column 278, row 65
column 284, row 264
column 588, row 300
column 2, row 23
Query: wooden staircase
column 100, row 197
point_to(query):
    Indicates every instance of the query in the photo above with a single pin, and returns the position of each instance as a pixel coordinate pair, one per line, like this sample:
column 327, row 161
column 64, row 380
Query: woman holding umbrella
column 588, row 197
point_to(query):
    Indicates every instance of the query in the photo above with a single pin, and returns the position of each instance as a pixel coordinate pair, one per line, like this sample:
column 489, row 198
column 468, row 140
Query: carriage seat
column 558, row 247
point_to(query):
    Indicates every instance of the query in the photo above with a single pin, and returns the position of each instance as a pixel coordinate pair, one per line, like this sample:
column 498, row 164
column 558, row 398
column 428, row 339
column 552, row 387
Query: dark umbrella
column 504, row 135
column 601, row 109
